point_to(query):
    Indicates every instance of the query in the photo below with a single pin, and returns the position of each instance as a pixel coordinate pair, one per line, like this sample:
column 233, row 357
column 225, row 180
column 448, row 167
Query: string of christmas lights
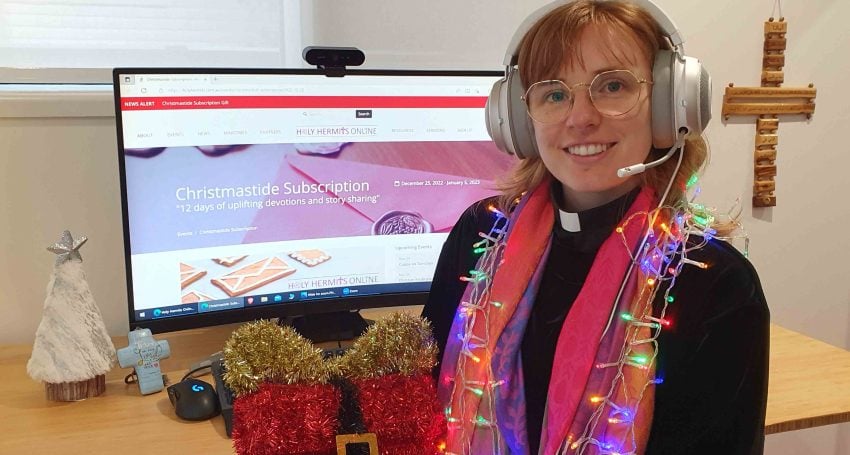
column 611, row 427
column 663, row 254
column 491, row 247
column 659, row 261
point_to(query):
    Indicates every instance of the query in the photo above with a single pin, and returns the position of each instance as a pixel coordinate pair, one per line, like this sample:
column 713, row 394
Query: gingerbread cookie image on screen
column 229, row 261
column 310, row 258
column 252, row 276
column 195, row 297
column 189, row 274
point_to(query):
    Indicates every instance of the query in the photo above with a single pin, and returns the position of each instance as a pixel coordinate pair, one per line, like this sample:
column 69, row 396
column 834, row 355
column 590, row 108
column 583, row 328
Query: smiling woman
column 562, row 334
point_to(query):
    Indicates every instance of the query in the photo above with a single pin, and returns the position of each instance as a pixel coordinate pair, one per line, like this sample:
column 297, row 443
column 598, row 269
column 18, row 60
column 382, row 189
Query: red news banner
column 298, row 102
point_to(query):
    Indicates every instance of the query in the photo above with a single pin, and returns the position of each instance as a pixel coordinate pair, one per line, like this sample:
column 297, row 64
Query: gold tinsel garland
column 399, row 343
column 263, row 351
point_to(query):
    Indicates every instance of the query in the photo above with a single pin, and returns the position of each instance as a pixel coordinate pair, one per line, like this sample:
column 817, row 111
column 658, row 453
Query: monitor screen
column 268, row 193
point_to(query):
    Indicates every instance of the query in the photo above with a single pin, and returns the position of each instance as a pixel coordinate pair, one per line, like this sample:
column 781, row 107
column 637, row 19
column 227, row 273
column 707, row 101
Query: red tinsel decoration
column 402, row 411
column 286, row 419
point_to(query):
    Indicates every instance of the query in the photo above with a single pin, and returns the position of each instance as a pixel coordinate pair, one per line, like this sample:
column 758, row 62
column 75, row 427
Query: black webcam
column 333, row 59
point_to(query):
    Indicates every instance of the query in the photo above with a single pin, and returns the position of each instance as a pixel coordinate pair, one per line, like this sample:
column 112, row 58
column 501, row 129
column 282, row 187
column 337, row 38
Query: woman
column 591, row 317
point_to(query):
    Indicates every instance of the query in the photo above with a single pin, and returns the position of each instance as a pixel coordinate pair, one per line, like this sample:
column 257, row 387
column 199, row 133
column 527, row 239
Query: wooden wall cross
column 768, row 102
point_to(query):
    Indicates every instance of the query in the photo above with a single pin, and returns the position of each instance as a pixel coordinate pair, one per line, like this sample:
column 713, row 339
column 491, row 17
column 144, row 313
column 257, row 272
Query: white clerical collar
column 570, row 221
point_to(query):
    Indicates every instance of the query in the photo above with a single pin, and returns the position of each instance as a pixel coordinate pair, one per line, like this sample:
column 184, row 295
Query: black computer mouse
column 194, row 399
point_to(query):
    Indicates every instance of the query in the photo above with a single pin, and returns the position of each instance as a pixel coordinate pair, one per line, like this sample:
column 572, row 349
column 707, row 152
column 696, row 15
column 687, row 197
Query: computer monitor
column 253, row 194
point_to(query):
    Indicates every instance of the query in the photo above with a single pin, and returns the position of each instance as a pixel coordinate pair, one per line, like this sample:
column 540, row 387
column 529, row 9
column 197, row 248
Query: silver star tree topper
column 67, row 248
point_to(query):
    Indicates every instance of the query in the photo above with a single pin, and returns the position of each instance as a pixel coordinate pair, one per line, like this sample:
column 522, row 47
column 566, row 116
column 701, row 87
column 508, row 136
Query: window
column 67, row 41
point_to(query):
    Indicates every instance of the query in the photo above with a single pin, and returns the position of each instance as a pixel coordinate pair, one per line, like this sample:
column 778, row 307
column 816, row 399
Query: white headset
column 681, row 94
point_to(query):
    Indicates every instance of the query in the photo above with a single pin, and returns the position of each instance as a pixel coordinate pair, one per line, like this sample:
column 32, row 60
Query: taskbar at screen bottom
column 278, row 298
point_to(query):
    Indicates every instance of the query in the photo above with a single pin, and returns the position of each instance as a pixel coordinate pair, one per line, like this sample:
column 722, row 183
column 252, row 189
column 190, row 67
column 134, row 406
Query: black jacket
column 713, row 359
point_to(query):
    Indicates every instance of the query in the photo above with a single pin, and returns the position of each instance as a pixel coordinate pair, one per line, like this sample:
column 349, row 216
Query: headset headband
column 666, row 24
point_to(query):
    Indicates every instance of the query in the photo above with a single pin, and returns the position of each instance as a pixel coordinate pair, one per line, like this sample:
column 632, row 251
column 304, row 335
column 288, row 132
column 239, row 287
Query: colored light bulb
column 639, row 359
column 620, row 416
column 702, row 221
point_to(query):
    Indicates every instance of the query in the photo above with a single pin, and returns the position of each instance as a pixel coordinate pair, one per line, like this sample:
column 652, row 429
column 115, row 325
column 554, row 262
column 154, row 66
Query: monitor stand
column 322, row 327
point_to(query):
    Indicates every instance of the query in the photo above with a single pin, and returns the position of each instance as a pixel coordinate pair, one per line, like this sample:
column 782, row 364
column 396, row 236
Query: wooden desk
column 809, row 383
column 809, row 386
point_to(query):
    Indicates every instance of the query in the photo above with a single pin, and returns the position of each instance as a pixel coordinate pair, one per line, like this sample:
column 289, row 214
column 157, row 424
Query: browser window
column 244, row 190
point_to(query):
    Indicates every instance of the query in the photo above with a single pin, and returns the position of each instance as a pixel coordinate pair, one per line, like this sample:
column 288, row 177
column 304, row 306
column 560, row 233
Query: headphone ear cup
column 663, row 97
column 699, row 79
column 493, row 118
column 681, row 98
column 507, row 120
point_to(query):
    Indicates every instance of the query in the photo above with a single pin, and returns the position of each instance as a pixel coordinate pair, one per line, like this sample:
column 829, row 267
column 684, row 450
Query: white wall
column 61, row 172
column 58, row 173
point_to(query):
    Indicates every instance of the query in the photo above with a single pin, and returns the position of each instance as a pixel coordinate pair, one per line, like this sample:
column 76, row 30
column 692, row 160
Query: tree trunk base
column 76, row 391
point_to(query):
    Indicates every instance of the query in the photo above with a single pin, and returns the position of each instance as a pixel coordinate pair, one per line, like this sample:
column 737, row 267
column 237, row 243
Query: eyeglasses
column 613, row 93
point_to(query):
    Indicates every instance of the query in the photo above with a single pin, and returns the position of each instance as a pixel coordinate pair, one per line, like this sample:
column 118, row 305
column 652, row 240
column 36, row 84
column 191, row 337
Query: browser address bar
column 250, row 79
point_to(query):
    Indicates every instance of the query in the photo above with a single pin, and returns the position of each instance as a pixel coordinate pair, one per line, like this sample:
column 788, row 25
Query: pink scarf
column 481, row 379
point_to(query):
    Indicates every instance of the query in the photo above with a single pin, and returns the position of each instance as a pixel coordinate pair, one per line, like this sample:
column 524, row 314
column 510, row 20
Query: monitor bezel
column 318, row 306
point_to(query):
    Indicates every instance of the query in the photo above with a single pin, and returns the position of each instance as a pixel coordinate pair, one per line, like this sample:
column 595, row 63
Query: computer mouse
column 194, row 399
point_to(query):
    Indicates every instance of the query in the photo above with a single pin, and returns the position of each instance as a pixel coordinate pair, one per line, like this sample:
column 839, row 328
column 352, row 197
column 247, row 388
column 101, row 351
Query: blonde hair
column 550, row 44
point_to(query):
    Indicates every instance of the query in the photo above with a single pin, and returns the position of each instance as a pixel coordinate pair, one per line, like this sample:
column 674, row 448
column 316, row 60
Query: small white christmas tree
column 72, row 351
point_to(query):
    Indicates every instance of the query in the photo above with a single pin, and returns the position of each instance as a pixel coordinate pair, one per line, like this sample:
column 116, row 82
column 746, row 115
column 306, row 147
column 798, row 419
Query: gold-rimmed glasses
column 613, row 93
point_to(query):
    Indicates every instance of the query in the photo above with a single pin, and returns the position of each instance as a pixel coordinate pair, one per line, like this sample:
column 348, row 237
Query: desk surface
column 809, row 386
